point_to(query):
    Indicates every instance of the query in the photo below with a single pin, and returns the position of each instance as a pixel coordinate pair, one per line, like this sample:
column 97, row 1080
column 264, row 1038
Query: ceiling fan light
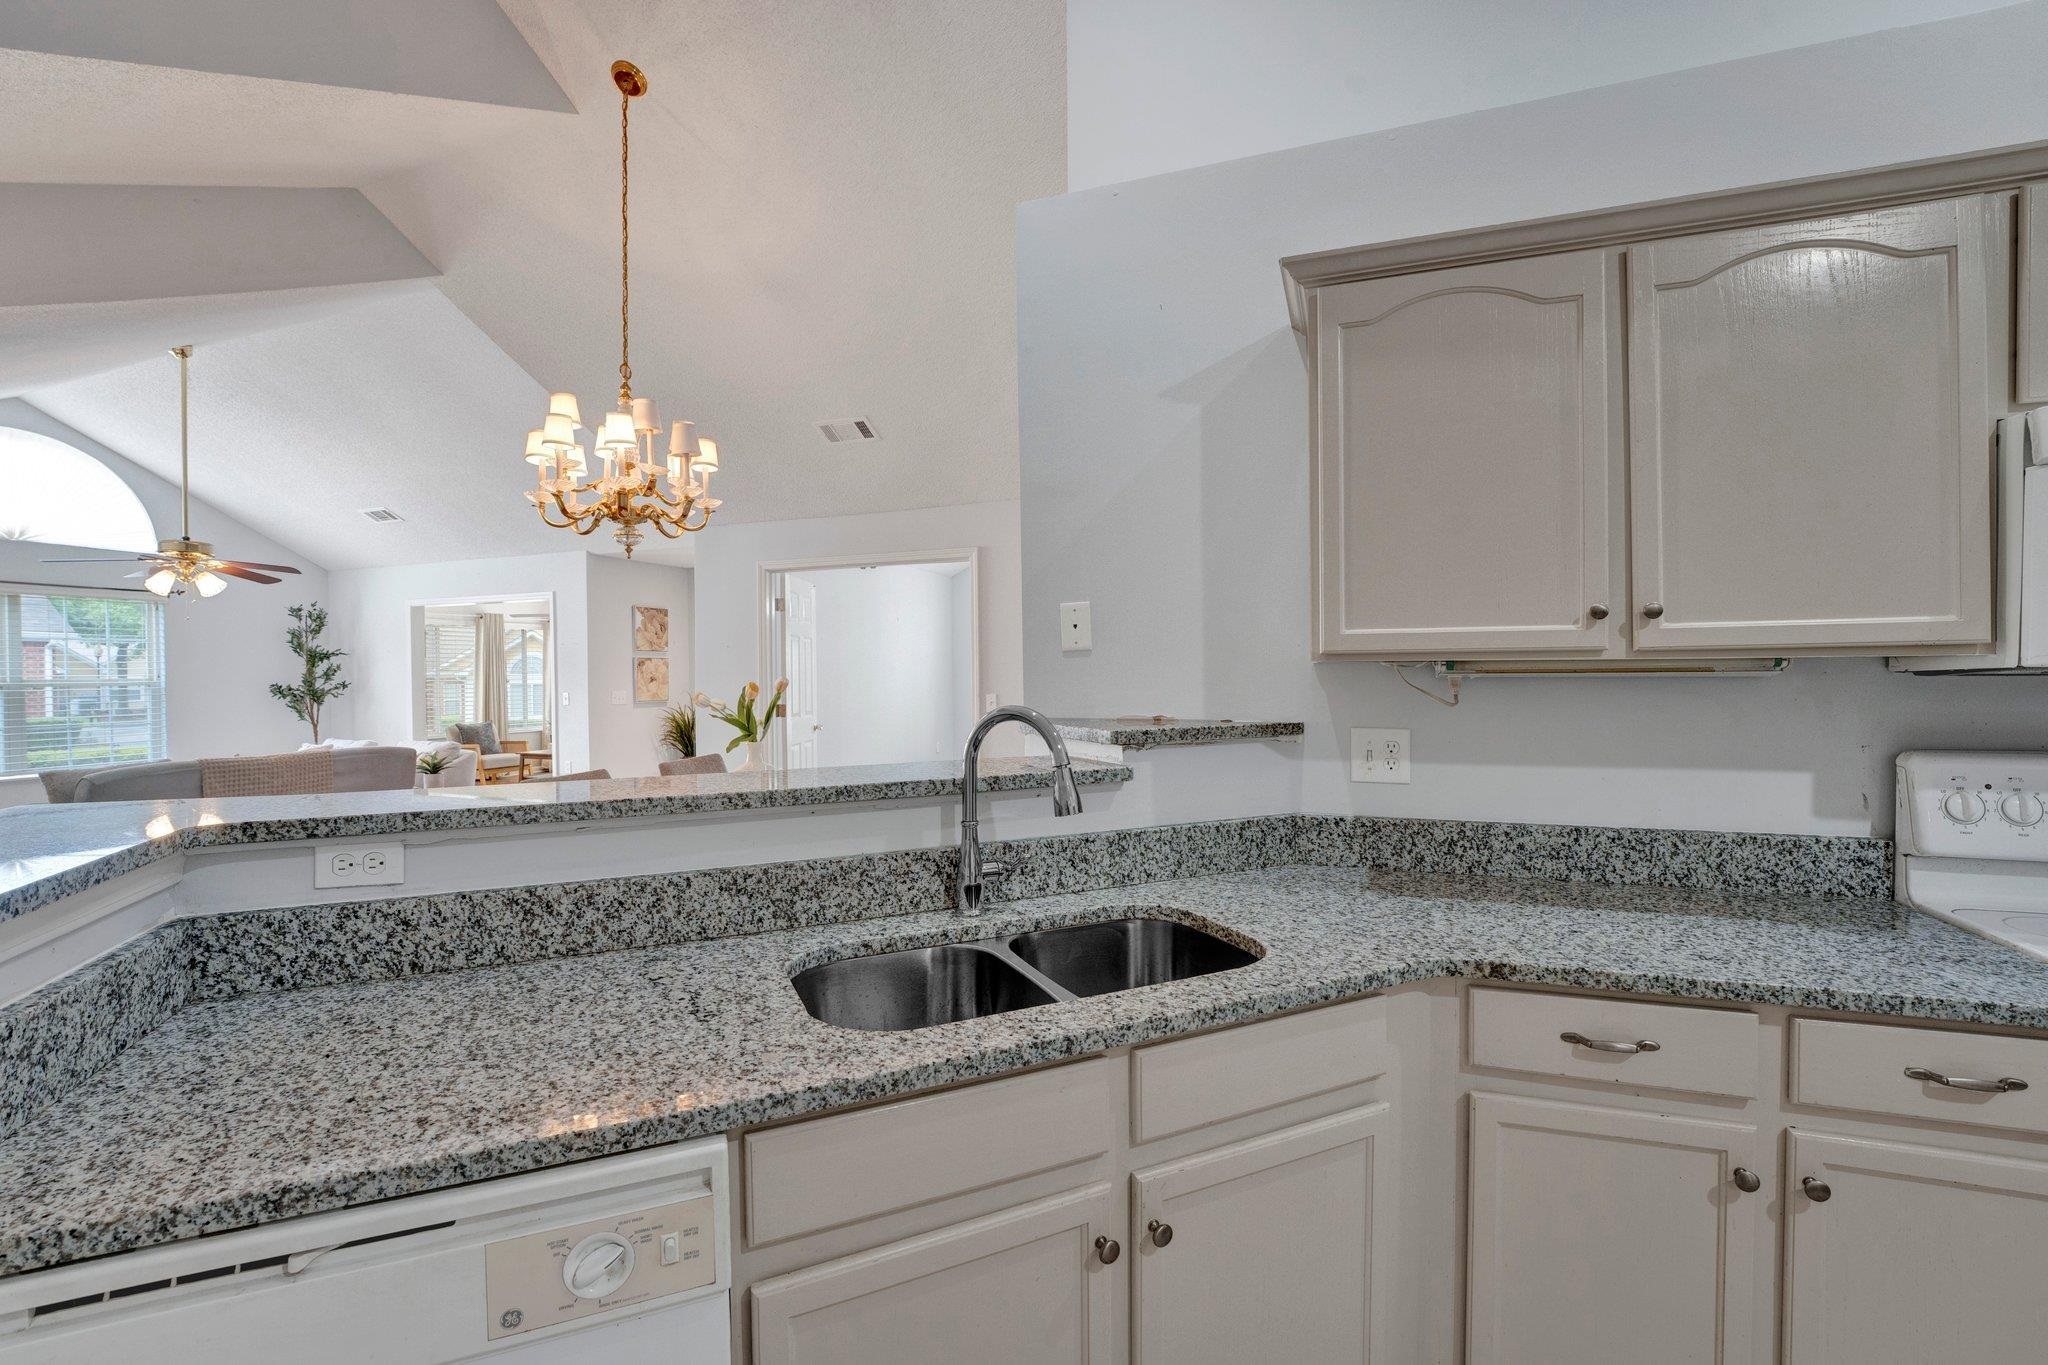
column 209, row 584
column 161, row 582
column 564, row 405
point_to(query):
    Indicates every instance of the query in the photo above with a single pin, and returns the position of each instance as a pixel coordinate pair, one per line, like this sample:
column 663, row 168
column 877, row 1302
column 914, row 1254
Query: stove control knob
column 1963, row 807
column 2021, row 808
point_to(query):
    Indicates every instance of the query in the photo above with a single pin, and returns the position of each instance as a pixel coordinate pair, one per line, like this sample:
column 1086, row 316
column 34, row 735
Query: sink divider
column 1000, row 949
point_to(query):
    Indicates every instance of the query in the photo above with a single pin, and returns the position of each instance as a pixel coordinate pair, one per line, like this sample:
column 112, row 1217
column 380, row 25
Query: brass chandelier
column 628, row 488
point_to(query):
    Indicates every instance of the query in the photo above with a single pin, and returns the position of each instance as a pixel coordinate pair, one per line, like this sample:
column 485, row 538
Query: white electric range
column 1972, row 839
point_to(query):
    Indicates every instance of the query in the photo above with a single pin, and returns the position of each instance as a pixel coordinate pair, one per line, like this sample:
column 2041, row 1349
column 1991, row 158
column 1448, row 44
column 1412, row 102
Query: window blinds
column 81, row 680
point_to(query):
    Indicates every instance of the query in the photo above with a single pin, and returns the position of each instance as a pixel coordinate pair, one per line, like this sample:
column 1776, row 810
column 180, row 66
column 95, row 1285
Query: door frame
column 768, row 644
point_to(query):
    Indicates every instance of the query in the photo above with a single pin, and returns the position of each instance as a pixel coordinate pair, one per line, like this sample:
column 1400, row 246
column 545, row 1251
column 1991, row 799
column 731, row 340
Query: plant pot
column 443, row 778
column 752, row 760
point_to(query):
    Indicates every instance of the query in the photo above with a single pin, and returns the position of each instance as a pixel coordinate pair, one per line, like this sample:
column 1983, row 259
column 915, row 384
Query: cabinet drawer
column 819, row 1174
column 1863, row 1067
column 1706, row 1051
column 1194, row 1081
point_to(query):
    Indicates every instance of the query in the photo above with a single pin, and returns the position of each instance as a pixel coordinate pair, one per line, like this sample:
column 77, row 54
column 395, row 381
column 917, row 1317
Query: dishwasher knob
column 1963, row 807
column 2021, row 808
column 598, row 1265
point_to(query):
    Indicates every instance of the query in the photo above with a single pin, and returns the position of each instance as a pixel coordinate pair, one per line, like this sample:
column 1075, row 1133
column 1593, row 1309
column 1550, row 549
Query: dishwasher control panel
column 1973, row 805
column 573, row 1272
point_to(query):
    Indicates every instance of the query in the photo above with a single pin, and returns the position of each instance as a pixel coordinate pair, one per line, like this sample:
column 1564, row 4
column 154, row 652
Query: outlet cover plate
column 1379, row 756
column 358, row 865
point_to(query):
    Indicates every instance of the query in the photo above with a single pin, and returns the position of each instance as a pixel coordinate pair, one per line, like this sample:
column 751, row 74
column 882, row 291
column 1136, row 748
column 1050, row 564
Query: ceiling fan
column 185, row 560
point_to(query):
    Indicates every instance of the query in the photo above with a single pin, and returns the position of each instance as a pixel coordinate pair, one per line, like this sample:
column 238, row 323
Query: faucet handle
column 994, row 872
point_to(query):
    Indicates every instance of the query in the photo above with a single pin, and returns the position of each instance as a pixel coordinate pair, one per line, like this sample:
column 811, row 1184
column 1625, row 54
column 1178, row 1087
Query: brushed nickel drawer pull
column 1748, row 1181
column 1597, row 611
column 1108, row 1248
column 1162, row 1233
column 1816, row 1190
column 1997, row 1087
column 1608, row 1044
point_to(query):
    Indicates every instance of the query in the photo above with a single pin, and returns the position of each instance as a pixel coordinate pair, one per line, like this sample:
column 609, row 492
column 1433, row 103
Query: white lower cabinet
column 1261, row 1250
column 1915, row 1254
column 1610, row 1235
column 1026, row 1286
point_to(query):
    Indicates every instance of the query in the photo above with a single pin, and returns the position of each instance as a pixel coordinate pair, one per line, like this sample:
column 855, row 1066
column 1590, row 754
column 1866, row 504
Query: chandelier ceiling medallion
column 187, row 562
column 627, row 490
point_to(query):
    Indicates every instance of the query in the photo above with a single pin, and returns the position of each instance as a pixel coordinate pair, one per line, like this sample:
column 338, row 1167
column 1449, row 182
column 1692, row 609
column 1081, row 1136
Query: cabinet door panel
column 1609, row 1235
column 1022, row 1287
column 1272, row 1250
column 1811, row 434
column 1467, row 429
column 1918, row 1254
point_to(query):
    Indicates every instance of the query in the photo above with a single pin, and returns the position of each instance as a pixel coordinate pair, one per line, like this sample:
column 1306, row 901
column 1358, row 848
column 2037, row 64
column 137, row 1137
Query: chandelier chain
column 625, row 241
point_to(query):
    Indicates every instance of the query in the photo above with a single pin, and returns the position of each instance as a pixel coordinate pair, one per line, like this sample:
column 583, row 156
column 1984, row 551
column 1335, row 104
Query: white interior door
column 800, row 655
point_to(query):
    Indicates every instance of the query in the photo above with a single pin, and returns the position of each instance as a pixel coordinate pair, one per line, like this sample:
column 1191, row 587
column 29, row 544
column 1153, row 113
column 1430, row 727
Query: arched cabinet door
column 1811, row 434
column 1467, row 479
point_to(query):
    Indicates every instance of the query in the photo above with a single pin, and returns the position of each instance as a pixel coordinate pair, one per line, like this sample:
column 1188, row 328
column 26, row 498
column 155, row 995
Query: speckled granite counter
column 49, row 852
column 261, row 1107
column 1154, row 732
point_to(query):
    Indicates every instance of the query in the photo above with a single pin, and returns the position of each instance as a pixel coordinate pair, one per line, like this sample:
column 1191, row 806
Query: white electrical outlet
column 358, row 864
column 1379, row 756
column 1077, row 632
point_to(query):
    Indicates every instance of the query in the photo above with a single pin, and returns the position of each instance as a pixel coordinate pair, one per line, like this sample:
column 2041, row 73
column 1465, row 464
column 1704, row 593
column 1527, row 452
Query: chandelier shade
column 628, row 493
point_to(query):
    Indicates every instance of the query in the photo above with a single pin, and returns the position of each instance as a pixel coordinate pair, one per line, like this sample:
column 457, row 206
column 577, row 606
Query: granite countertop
column 49, row 852
column 1154, row 732
column 261, row 1107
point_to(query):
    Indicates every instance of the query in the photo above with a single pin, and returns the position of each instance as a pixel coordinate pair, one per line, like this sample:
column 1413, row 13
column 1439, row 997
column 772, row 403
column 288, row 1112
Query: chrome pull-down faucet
column 1066, row 798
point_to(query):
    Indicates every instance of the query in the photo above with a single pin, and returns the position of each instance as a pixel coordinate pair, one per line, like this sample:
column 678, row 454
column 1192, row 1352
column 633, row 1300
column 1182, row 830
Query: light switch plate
column 1077, row 631
column 358, row 864
column 1379, row 756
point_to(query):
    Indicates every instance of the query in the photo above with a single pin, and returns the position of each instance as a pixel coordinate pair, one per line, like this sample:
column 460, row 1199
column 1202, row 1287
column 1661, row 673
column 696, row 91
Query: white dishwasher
column 621, row 1259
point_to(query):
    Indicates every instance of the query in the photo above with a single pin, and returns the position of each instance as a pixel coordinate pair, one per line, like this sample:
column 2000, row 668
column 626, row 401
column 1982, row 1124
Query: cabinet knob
column 1816, row 1190
column 1161, row 1233
column 1108, row 1249
column 1653, row 610
column 1747, row 1180
column 1597, row 612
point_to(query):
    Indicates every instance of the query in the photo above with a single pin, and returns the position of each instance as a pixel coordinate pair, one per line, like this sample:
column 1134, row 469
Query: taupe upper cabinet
column 1805, row 467
column 1469, row 429
column 1810, row 434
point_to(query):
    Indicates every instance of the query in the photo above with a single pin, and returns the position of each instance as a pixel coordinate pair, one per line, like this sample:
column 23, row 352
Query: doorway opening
column 486, row 659
column 882, row 653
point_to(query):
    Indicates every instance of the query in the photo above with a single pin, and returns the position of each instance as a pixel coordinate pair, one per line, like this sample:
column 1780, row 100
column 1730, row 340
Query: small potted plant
column 749, row 717
column 433, row 769
column 679, row 730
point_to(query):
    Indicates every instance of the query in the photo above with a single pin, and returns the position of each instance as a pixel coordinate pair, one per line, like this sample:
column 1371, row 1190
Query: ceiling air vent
column 381, row 514
column 852, row 429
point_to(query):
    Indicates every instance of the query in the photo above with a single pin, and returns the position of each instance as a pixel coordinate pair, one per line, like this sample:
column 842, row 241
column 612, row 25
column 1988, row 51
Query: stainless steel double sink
column 919, row 987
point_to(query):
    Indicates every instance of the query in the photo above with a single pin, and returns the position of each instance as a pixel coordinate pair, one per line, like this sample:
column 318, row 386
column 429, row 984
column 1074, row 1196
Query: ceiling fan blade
column 105, row 559
column 237, row 571
column 250, row 564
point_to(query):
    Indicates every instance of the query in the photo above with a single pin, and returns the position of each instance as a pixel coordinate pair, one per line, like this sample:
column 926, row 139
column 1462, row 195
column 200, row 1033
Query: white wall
column 599, row 725
column 222, row 654
column 624, row 734
column 1164, row 438
column 729, row 556
column 371, row 611
column 892, row 664
column 1164, row 85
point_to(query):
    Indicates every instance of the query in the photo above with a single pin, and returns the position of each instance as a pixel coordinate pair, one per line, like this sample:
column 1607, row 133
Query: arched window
column 59, row 495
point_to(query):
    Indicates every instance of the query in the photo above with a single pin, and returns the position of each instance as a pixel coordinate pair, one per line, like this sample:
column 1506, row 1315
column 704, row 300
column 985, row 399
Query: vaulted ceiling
column 823, row 198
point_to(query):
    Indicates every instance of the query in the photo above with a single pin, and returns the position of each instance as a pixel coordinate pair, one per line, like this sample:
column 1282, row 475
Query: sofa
column 377, row 767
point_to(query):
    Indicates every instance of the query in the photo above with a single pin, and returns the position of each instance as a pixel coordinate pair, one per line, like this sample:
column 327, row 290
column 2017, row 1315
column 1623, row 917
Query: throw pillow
column 482, row 733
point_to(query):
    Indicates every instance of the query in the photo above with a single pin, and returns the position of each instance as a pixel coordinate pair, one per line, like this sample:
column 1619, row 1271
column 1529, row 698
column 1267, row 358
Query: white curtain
column 490, row 670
